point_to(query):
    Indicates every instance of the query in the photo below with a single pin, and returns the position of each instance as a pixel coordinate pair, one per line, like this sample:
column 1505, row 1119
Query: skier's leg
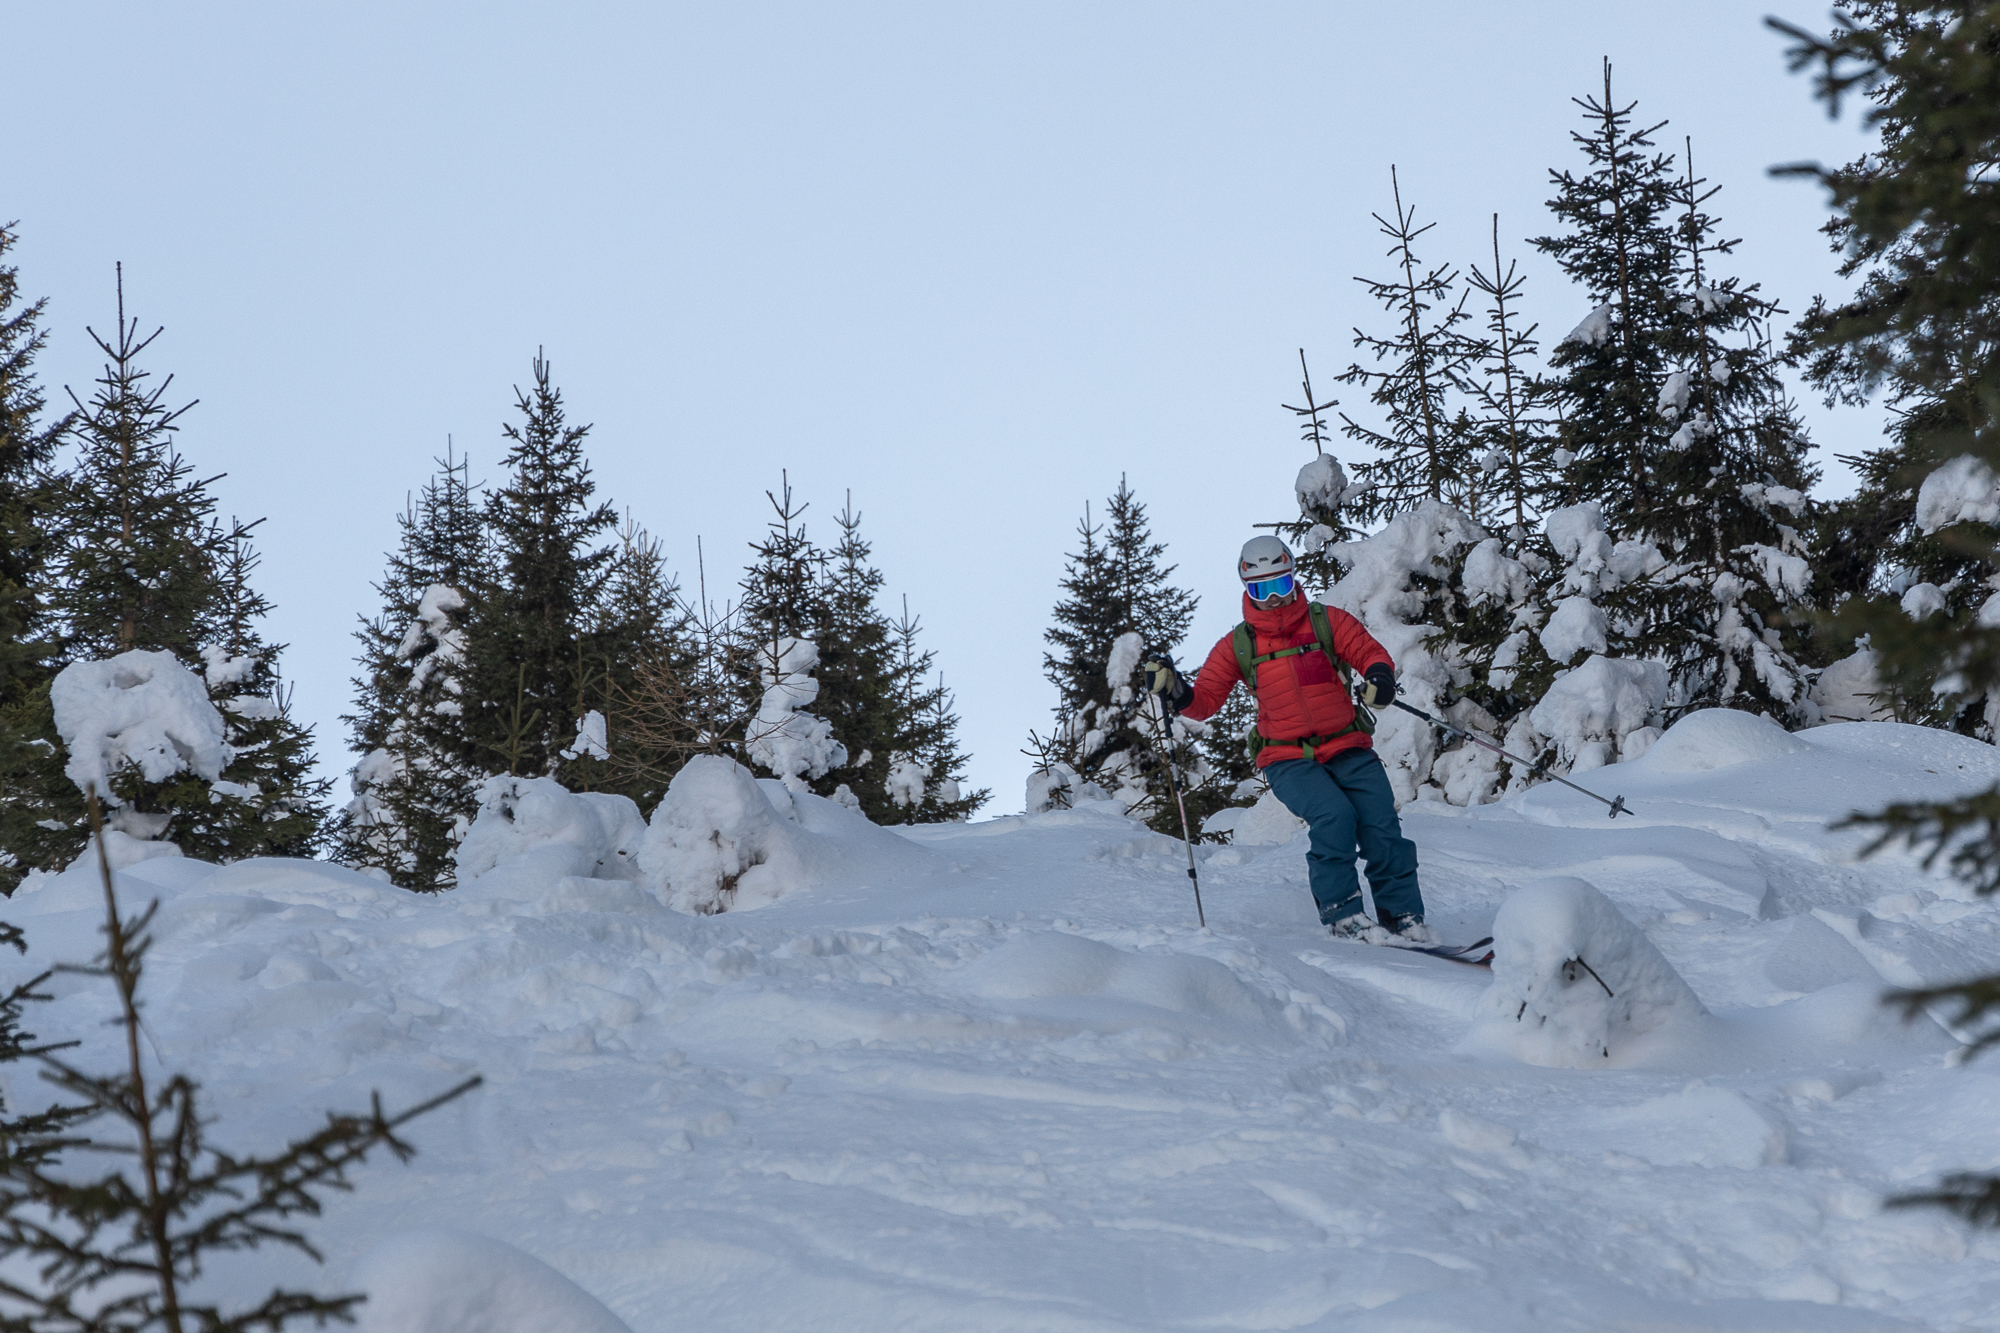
column 1391, row 857
column 1309, row 792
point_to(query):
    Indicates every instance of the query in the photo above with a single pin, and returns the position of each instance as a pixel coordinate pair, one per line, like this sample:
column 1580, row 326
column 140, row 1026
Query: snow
column 140, row 709
column 1673, row 399
column 1595, row 328
column 1923, row 600
column 1845, row 690
column 992, row 1076
column 1782, row 573
column 537, row 829
column 1321, row 486
column 783, row 738
column 724, row 841
column 1491, row 575
column 591, row 741
column 1126, row 650
column 1590, row 710
column 1964, row 490
column 433, row 621
column 220, row 668
column 906, row 780
column 446, row 1281
column 1576, row 625
column 1575, row 984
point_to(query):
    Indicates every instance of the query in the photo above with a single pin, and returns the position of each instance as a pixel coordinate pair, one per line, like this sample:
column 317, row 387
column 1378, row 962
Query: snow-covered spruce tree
column 1676, row 427
column 1736, row 465
column 1425, row 449
column 784, row 604
column 1919, row 220
column 1118, row 603
column 267, row 801
column 1919, row 534
column 858, row 685
column 142, row 566
column 414, row 791
column 531, row 652
column 32, row 791
column 927, row 781
column 1330, row 505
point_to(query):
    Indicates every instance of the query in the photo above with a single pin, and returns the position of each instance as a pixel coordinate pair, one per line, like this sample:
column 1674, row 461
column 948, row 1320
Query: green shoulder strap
column 1246, row 648
column 1323, row 628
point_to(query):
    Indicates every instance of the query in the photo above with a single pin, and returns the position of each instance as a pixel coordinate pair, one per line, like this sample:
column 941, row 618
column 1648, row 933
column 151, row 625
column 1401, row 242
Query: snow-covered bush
column 591, row 834
column 723, row 840
column 793, row 745
column 1589, row 713
column 1576, row 985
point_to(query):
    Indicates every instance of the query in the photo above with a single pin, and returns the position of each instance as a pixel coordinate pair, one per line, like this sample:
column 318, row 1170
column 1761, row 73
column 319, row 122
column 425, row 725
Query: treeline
column 524, row 629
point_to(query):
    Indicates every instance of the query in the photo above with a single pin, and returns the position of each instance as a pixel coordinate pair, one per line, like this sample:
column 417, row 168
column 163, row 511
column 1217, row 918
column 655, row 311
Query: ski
column 1469, row 954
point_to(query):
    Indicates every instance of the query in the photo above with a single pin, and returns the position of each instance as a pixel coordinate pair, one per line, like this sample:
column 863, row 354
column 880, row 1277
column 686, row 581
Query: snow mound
column 591, row 834
column 722, row 840
column 1719, row 738
column 1576, row 985
column 457, row 1282
column 1116, row 988
column 138, row 709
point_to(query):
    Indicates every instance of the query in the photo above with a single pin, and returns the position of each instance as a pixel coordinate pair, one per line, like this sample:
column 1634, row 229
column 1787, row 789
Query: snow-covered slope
column 1004, row 1083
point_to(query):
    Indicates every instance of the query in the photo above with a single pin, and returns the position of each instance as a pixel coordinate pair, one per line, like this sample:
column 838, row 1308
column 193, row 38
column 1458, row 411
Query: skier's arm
column 1355, row 645
column 1219, row 675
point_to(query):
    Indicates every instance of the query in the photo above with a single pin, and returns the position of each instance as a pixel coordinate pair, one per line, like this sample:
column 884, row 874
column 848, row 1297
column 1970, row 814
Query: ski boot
column 1409, row 928
column 1359, row 929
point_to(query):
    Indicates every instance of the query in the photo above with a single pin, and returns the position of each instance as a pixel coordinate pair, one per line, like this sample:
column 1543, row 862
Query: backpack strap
column 1248, row 660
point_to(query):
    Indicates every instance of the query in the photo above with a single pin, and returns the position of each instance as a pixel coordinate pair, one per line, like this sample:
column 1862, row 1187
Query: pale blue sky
column 969, row 262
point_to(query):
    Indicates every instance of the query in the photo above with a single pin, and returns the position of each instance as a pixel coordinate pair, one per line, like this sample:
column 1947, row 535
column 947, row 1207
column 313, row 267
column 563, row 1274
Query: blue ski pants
column 1348, row 806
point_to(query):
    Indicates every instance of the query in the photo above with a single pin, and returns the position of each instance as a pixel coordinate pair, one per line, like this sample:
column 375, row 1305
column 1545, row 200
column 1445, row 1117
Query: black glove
column 1163, row 680
column 1378, row 686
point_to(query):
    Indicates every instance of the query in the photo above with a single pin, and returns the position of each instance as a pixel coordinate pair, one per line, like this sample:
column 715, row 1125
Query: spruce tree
column 32, row 790
column 531, row 654
column 931, row 741
column 640, row 621
column 858, row 679
column 415, row 794
column 267, row 802
column 1424, row 450
column 1512, row 437
column 1619, row 247
column 142, row 564
column 1920, row 221
column 1115, row 585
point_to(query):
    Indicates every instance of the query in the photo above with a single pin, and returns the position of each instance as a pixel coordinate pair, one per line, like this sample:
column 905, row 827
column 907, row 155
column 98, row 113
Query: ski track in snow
column 1016, row 1088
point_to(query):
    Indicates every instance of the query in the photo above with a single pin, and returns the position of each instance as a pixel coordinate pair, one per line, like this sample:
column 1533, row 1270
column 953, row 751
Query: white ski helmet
column 1263, row 558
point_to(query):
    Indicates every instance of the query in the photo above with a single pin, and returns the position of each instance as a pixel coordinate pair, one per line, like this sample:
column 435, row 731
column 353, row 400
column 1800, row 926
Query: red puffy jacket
column 1299, row 696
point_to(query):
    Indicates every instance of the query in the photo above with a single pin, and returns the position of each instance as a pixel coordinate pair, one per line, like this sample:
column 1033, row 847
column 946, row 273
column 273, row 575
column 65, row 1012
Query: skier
column 1311, row 743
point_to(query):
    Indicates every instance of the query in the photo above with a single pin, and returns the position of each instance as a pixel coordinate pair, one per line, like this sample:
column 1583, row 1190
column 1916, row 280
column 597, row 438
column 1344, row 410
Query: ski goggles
column 1263, row 590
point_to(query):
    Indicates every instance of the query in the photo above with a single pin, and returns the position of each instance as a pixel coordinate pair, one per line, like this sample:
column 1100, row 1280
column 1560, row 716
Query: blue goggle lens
column 1264, row 590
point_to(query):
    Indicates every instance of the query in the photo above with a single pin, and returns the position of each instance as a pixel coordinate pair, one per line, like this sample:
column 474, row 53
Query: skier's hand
column 1160, row 677
column 1378, row 686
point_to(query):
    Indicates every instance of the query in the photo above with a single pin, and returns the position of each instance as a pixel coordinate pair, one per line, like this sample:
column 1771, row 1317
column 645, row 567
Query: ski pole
column 1174, row 786
column 1617, row 805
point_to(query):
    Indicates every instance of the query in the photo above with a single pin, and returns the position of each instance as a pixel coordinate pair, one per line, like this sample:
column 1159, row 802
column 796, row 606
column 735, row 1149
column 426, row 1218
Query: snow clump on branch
column 793, row 745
